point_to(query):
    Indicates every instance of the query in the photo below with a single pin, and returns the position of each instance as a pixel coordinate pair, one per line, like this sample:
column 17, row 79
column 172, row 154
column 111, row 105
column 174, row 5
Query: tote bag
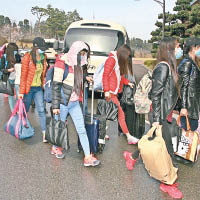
column 188, row 143
column 57, row 133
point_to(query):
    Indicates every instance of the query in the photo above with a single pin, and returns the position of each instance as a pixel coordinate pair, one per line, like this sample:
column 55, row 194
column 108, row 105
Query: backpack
column 141, row 97
column 98, row 76
column 49, row 81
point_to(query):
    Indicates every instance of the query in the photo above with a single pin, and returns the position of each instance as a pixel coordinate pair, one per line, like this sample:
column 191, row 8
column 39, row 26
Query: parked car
column 23, row 51
column 50, row 52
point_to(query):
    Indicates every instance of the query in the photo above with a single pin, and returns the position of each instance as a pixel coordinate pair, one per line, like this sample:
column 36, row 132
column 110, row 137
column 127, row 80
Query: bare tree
column 39, row 12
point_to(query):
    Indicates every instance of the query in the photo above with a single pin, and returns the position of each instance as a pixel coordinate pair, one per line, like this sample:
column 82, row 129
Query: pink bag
column 18, row 125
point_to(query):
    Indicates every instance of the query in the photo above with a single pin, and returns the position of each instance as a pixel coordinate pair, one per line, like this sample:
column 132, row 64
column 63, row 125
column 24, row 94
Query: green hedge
column 150, row 64
column 26, row 40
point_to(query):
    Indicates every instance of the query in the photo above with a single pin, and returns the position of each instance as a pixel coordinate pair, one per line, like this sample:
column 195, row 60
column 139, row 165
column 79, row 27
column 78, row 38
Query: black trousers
column 193, row 123
column 167, row 137
column 165, row 134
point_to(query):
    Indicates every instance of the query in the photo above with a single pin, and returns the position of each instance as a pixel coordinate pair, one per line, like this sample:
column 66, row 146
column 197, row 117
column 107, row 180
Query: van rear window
column 95, row 24
column 101, row 41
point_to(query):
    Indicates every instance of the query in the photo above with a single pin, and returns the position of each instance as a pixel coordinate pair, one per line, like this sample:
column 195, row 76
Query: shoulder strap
column 66, row 72
column 64, row 77
column 6, row 62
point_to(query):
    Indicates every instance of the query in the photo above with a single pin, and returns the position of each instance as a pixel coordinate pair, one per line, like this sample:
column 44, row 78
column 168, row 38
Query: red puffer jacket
column 28, row 72
column 110, row 81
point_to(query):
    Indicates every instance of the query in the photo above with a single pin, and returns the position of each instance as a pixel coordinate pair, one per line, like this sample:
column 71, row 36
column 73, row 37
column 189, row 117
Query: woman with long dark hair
column 33, row 72
column 71, row 86
column 118, row 64
column 164, row 96
column 189, row 73
column 8, row 61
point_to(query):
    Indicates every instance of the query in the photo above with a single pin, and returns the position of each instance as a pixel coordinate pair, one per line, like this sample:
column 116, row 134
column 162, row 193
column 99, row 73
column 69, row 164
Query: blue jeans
column 17, row 90
column 36, row 94
column 11, row 99
column 74, row 109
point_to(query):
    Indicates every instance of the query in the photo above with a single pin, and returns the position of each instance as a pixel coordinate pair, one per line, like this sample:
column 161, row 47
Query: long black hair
column 78, row 74
column 166, row 52
column 10, row 54
column 125, row 59
column 33, row 55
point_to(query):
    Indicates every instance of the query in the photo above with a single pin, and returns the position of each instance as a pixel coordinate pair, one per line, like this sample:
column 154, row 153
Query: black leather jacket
column 190, row 90
column 164, row 94
column 57, row 98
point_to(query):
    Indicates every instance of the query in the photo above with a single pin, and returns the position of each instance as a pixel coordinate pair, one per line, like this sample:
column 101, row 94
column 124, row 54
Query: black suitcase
column 139, row 127
column 96, row 130
column 135, row 122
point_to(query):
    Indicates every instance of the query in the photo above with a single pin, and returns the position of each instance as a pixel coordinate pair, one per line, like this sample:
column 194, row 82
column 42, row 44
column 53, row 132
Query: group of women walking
column 173, row 87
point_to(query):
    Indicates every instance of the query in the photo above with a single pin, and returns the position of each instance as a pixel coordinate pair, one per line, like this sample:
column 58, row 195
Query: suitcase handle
column 92, row 103
column 84, row 86
column 153, row 136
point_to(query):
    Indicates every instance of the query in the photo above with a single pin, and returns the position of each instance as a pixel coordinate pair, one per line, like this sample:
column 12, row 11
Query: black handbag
column 57, row 133
column 107, row 108
column 6, row 87
column 128, row 94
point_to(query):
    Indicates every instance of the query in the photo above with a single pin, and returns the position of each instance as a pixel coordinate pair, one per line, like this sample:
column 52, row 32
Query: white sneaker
column 107, row 137
column 132, row 140
column 43, row 138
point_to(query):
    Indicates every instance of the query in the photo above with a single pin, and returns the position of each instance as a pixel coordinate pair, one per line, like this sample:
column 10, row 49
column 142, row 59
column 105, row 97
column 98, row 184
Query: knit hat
column 40, row 43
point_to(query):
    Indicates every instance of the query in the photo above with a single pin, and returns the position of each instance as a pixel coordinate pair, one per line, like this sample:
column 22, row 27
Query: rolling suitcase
column 96, row 130
column 139, row 125
column 134, row 121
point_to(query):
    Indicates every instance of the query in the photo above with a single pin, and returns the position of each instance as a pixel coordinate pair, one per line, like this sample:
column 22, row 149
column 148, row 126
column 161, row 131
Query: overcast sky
column 138, row 16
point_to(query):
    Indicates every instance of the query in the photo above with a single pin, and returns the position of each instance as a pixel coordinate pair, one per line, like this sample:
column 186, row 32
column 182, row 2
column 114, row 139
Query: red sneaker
column 57, row 151
column 130, row 162
column 91, row 161
column 172, row 190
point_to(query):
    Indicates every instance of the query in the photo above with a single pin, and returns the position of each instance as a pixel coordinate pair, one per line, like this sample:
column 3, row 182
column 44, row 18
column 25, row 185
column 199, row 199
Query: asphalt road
column 29, row 172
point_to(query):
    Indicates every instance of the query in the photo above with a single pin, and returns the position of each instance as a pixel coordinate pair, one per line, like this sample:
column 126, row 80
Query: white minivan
column 102, row 37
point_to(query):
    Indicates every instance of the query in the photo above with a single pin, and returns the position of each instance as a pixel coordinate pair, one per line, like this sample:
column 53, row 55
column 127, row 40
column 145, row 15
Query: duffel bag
column 18, row 125
column 155, row 156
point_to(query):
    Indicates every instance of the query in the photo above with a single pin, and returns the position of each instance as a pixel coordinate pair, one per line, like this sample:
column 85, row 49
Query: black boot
column 182, row 160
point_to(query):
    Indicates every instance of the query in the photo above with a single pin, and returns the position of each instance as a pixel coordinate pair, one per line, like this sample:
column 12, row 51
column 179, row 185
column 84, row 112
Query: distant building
column 194, row 2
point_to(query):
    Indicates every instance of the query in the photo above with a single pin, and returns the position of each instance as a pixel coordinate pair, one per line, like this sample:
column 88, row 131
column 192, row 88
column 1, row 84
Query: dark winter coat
column 190, row 88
